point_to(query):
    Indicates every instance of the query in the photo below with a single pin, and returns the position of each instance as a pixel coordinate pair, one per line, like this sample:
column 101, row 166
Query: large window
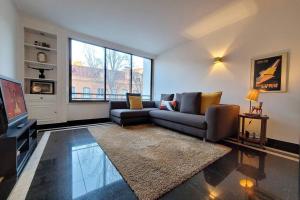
column 87, row 71
column 101, row 74
column 141, row 76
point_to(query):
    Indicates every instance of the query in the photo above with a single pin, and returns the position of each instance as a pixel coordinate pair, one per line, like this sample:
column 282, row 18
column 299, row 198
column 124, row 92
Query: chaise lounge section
column 219, row 122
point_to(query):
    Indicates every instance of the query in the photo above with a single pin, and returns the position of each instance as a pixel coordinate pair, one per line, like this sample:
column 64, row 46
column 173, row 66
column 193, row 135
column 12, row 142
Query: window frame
column 71, row 100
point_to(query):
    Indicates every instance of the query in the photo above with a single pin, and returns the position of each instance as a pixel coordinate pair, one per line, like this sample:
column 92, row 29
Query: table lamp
column 252, row 95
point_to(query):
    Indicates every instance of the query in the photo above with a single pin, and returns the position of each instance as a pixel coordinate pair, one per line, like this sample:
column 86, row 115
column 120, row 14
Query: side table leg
column 263, row 130
column 243, row 129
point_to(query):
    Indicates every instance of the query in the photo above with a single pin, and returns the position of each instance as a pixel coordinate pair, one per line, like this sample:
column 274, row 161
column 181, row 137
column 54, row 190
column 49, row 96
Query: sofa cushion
column 167, row 105
column 167, row 97
column 127, row 113
column 209, row 99
column 178, row 101
column 190, row 102
column 127, row 97
column 135, row 102
column 197, row 121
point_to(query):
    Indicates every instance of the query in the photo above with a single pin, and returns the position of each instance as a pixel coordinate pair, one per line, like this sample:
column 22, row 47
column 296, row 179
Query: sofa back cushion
column 135, row 102
column 178, row 101
column 209, row 99
column 190, row 103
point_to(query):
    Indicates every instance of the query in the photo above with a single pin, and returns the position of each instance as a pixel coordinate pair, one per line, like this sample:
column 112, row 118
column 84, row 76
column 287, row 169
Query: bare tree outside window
column 108, row 74
column 91, row 58
column 117, row 74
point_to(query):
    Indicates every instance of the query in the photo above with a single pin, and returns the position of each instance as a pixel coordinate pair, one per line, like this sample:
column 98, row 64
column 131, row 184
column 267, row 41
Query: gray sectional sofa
column 220, row 121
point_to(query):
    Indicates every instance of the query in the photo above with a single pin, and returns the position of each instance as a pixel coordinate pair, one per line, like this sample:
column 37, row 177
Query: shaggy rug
column 154, row 160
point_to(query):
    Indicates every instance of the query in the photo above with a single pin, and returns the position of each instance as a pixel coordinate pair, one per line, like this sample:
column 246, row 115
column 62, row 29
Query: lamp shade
column 252, row 95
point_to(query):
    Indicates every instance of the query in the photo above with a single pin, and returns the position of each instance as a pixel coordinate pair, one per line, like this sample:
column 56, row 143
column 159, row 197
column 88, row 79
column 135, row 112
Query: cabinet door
column 45, row 114
column 42, row 108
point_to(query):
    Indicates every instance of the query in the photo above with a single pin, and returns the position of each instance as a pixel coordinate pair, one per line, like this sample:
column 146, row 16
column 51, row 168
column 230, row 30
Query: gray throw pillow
column 178, row 101
column 167, row 97
column 190, row 103
column 127, row 98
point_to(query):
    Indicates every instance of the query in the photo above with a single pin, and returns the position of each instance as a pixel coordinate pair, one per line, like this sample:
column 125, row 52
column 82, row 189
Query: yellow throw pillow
column 209, row 99
column 135, row 102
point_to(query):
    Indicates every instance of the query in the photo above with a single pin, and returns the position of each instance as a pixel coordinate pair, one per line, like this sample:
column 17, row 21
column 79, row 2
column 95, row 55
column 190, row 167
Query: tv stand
column 21, row 125
column 16, row 147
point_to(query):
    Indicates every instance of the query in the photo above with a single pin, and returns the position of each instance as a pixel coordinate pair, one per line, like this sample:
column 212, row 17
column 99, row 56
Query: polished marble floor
column 73, row 166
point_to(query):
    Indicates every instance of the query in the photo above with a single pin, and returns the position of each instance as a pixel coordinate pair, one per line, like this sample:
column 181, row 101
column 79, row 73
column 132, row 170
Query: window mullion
column 105, row 73
column 131, row 72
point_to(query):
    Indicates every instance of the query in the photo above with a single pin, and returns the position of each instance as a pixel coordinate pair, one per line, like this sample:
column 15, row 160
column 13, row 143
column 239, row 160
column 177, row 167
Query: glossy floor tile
column 73, row 166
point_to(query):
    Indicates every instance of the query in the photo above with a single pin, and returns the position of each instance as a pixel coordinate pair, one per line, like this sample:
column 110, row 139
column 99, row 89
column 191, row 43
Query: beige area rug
column 154, row 160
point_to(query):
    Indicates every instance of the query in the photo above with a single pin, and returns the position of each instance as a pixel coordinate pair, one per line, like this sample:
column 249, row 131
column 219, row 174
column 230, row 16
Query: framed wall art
column 41, row 87
column 270, row 73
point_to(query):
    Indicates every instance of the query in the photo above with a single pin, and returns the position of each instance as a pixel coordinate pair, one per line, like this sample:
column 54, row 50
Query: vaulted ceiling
column 152, row 26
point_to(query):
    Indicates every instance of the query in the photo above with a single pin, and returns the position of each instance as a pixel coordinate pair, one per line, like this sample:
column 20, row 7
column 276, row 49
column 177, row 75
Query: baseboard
column 73, row 123
column 284, row 146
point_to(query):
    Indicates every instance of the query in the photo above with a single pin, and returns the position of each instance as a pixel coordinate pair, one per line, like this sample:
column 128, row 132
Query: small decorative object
column 41, row 70
column 252, row 95
column 41, row 87
column 42, row 44
column 247, row 134
column 269, row 73
column 41, row 57
column 257, row 109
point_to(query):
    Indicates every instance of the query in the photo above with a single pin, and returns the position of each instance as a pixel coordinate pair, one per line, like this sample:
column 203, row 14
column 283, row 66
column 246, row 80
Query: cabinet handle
column 41, row 98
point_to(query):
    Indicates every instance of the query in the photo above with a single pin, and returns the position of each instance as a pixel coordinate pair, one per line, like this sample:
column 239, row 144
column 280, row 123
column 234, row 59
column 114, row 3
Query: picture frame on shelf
column 269, row 73
column 42, row 87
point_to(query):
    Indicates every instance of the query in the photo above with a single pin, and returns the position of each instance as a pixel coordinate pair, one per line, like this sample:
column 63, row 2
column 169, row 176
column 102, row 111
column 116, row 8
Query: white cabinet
column 42, row 107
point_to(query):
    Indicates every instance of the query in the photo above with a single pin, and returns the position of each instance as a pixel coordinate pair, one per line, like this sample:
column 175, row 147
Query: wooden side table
column 261, row 141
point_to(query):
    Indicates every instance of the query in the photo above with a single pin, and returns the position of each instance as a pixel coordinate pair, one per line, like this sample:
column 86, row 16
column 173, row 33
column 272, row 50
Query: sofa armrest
column 117, row 105
column 222, row 121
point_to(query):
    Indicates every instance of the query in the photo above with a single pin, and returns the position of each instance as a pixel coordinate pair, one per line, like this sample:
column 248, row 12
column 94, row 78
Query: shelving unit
column 39, row 79
column 31, row 36
column 39, row 64
column 39, row 47
column 42, row 107
column 16, row 147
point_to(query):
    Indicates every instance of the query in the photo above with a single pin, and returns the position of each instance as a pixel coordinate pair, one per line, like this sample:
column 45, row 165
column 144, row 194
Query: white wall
column 259, row 28
column 73, row 111
column 9, row 24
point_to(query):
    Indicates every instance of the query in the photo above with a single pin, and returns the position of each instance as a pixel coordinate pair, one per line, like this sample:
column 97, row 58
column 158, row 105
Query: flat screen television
column 13, row 99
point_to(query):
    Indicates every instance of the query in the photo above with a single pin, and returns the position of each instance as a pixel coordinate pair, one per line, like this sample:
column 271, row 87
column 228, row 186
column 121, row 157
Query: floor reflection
column 91, row 169
column 73, row 166
column 243, row 174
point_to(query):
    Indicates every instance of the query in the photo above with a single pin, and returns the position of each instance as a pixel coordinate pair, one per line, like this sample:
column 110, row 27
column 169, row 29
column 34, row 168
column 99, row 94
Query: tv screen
column 13, row 98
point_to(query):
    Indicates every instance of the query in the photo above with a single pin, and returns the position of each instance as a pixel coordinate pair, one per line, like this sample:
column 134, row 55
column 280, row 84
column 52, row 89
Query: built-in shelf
column 39, row 79
column 21, row 143
column 40, row 65
column 42, row 107
column 39, row 47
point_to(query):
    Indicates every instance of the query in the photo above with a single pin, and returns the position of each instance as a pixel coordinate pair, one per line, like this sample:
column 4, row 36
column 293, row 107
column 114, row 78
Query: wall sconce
column 218, row 60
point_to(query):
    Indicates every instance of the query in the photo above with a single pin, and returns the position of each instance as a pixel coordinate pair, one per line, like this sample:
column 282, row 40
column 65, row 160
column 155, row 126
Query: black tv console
column 16, row 147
